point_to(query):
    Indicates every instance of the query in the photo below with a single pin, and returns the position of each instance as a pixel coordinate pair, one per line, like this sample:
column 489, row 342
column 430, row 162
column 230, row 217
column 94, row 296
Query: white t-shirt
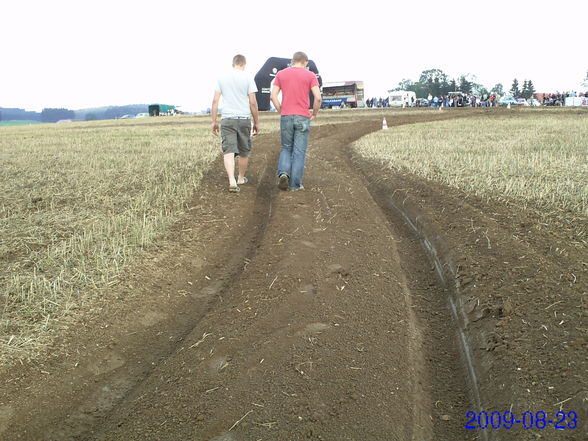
column 235, row 88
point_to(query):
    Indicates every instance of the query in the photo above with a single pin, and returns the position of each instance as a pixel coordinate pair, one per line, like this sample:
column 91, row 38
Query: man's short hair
column 299, row 57
column 239, row 60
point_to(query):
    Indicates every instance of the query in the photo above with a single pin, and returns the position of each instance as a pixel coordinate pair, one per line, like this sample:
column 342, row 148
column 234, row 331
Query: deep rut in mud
column 269, row 315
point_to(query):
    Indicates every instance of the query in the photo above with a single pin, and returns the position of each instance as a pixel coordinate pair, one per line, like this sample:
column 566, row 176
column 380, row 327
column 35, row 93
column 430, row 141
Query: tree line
column 51, row 115
column 438, row 83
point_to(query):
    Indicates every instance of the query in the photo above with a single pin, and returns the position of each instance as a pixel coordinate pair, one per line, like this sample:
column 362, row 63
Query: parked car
column 506, row 100
column 422, row 102
column 522, row 102
column 534, row 102
column 127, row 116
column 142, row 115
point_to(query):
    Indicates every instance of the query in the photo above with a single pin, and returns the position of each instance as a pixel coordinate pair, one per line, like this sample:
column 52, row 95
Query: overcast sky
column 79, row 54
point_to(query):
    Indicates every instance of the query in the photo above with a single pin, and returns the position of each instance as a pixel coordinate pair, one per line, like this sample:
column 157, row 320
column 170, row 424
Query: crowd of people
column 558, row 99
column 485, row 100
column 377, row 102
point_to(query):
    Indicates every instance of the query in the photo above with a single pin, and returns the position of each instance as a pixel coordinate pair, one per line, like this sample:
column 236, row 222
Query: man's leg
column 285, row 160
column 244, row 141
column 229, row 146
column 243, row 163
column 301, row 133
column 229, row 159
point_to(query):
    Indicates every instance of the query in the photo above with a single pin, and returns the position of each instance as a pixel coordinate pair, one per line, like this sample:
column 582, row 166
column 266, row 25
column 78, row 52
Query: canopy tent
column 267, row 73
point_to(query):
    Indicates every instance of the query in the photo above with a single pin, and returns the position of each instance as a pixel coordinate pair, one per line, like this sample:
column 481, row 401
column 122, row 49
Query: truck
column 162, row 109
column 343, row 94
column 401, row 98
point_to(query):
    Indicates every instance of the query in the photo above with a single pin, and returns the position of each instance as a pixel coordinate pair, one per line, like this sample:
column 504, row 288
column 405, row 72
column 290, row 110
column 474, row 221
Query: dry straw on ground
column 77, row 201
column 535, row 158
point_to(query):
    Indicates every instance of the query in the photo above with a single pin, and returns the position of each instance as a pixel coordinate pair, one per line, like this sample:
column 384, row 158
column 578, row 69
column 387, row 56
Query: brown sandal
column 234, row 189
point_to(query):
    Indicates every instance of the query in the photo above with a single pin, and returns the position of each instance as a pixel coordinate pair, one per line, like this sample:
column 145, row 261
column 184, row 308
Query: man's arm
column 275, row 100
column 214, row 112
column 318, row 99
column 254, row 113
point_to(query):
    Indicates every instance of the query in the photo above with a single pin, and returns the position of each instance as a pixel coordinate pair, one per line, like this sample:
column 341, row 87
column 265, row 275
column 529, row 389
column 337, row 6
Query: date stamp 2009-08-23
column 527, row 420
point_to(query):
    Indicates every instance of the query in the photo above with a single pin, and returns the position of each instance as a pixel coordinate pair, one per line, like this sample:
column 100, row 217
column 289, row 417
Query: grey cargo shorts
column 236, row 136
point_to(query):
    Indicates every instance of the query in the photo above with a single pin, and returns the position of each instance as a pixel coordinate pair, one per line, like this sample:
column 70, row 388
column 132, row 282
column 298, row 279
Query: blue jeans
column 294, row 131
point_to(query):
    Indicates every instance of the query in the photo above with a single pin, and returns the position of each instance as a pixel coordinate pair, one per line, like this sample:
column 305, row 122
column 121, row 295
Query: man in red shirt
column 295, row 83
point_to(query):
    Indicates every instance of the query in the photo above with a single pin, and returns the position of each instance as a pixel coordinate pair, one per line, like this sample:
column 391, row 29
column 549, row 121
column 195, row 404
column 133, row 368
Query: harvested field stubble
column 535, row 158
column 77, row 202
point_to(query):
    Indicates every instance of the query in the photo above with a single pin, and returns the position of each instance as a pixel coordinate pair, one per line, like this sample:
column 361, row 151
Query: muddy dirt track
column 371, row 306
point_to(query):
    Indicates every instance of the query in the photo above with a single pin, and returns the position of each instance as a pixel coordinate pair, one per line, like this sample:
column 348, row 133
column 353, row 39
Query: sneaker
column 296, row 189
column 284, row 182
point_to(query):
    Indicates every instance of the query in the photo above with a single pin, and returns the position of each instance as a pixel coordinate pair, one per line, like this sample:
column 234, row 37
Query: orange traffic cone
column 384, row 124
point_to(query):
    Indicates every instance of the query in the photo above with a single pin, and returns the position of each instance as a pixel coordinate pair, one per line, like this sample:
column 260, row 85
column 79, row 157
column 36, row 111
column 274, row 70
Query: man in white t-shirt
column 239, row 105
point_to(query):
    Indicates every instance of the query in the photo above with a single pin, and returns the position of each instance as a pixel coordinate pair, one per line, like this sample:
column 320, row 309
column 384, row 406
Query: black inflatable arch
column 267, row 73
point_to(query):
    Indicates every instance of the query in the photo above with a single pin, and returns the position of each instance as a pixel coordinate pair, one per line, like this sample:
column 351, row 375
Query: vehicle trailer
column 162, row 109
column 402, row 98
column 343, row 94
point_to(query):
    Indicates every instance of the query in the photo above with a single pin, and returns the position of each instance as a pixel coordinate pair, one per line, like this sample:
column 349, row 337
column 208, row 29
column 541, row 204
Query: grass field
column 18, row 123
column 535, row 158
column 77, row 202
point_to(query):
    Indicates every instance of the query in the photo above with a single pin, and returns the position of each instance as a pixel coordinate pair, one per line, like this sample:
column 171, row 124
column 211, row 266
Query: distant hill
column 106, row 112
column 15, row 114
column 110, row 112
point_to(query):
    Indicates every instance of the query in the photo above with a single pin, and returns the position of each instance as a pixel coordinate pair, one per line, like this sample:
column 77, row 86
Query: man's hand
column 214, row 113
column 255, row 129
column 318, row 99
column 274, row 98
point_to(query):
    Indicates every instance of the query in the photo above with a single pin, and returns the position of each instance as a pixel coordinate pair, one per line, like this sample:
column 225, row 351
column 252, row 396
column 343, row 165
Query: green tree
column 514, row 89
column 452, row 86
column 433, row 81
column 437, row 87
column 465, row 85
column 531, row 89
column 54, row 115
column 498, row 89
column 405, row 84
column 528, row 89
column 475, row 86
column 431, row 74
